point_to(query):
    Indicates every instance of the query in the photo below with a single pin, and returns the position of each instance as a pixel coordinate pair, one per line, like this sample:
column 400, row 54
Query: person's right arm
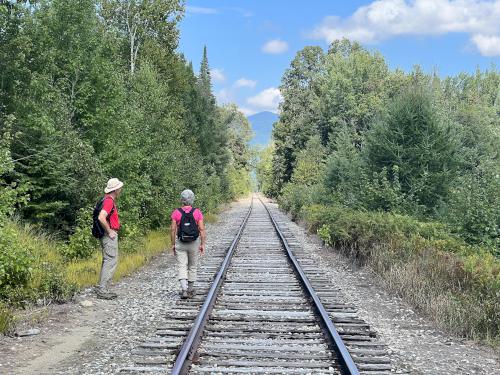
column 173, row 233
column 103, row 216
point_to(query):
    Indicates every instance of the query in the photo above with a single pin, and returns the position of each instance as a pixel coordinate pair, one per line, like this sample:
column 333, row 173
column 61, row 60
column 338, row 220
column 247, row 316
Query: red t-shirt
column 113, row 220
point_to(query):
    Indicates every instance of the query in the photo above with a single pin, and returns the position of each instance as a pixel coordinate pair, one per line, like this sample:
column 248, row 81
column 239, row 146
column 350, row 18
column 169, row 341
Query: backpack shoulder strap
column 112, row 208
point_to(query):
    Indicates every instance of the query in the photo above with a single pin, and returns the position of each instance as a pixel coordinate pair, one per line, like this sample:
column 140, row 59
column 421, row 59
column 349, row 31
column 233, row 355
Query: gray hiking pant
column 187, row 258
column 109, row 261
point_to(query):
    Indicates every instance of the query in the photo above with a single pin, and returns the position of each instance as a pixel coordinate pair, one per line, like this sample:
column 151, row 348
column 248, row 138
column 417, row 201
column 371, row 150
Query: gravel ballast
column 416, row 345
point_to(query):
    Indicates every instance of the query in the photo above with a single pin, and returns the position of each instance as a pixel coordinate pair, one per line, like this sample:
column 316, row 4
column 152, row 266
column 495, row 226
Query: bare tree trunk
column 131, row 33
column 132, row 59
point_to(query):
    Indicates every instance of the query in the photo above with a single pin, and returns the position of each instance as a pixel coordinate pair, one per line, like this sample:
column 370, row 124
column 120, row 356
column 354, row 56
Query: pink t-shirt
column 177, row 216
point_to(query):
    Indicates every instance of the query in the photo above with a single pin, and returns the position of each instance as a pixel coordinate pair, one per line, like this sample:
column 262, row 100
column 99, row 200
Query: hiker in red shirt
column 108, row 218
column 188, row 236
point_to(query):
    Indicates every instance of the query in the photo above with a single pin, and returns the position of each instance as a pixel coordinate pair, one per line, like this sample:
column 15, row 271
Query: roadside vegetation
column 78, row 107
column 401, row 172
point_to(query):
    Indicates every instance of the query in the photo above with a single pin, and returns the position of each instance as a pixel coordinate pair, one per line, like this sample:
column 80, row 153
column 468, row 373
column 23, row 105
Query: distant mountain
column 262, row 125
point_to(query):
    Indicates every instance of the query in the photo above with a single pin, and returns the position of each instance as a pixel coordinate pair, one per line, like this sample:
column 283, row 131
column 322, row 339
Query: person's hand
column 112, row 234
column 202, row 249
column 173, row 249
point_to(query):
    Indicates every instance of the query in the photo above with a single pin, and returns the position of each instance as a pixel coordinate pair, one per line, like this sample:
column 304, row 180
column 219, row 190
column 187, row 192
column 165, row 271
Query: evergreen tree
column 205, row 80
column 211, row 132
column 421, row 144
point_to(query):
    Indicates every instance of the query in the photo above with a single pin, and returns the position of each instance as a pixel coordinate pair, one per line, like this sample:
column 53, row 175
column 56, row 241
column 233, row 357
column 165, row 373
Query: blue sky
column 251, row 43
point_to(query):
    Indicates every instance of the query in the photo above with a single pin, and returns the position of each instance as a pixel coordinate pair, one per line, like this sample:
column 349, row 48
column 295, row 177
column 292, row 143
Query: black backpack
column 188, row 229
column 97, row 230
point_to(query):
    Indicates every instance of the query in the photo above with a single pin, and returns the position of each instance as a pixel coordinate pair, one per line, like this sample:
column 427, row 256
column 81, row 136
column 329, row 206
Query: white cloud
column 384, row 19
column 200, row 10
column 217, row 75
column 243, row 12
column 267, row 100
column 204, row 10
column 243, row 82
column 275, row 46
column 487, row 45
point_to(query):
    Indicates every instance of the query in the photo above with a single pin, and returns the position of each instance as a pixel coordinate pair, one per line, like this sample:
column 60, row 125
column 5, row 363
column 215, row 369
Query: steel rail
column 347, row 365
column 188, row 349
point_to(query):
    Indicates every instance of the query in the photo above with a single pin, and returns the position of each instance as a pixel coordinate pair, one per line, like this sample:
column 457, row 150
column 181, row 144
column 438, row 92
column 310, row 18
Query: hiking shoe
column 106, row 295
column 184, row 294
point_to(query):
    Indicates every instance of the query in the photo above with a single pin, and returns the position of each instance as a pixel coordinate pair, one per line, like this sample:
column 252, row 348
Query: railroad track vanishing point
column 262, row 307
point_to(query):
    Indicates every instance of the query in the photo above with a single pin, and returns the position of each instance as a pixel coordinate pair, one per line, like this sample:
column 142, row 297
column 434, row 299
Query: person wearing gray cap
column 110, row 223
column 188, row 237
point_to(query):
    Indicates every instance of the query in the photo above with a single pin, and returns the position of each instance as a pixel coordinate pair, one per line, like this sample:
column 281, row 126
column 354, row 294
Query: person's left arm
column 203, row 235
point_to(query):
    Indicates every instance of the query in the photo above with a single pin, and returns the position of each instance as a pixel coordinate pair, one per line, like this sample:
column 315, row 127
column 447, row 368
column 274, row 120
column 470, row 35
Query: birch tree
column 143, row 19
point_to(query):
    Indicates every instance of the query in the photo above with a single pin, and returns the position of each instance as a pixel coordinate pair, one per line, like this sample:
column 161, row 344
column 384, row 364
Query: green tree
column 473, row 209
column 210, row 131
column 8, row 192
column 353, row 90
column 140, row 20
column 57, row 166
column 298, row 112
column 264, row 171
column 307, row 183
column 239, row 134
column 346, row 171
column 422, row 145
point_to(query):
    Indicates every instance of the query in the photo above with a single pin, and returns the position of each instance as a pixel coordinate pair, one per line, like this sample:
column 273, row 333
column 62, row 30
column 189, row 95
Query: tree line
column 92, row 89
column 356, row 133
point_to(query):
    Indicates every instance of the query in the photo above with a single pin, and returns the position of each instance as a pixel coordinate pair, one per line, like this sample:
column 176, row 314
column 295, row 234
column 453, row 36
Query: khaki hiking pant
column 109, row 261
column 187, row 258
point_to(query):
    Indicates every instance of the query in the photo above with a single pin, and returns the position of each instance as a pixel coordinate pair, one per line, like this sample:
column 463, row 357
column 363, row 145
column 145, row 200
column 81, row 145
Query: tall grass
column 455, row 284
column 7, row 320
column 85, row 272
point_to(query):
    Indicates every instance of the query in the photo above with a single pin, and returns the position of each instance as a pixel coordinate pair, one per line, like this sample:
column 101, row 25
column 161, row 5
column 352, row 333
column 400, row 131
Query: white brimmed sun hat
column 113, row 184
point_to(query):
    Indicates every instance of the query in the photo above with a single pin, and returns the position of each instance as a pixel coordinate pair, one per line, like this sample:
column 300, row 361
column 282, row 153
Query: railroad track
column 268, row 309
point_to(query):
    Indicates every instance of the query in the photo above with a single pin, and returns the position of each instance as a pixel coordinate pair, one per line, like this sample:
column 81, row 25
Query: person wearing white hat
column 110, row 222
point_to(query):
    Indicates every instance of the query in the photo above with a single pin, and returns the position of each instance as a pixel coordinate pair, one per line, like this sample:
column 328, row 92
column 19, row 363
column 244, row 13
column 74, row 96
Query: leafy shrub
column 455, row 283
column 474, row 207
column 81, row 243
column 239, row 182
column 50, row 283
column 296, row 196
column 15, row 261
column 31, row 267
